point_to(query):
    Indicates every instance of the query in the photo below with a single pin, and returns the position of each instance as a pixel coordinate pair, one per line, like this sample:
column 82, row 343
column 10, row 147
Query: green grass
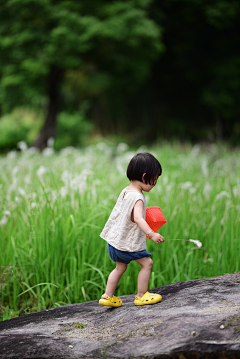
column 53, row 208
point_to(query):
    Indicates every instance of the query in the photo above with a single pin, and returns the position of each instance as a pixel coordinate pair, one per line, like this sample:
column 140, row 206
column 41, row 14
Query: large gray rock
column 196, row 319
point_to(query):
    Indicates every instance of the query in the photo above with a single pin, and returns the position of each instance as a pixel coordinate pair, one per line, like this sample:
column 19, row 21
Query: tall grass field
column 53, row 207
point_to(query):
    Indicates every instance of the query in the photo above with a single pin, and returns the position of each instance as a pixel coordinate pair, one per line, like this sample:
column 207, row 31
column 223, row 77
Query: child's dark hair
column 144, row 163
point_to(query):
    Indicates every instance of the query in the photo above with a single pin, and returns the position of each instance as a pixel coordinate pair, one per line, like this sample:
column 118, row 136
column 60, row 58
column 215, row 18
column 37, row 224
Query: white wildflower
column 195, row 150
column 169, row 187
column 226, row 214
column 87, row 172
column 207, row 189
column 50, row 142
column 48, row 151
column 236, row 191
column 63, row 192
column 122, row 147
column 27, row 179
column 186, row 185
column 197, row 242
column 104, row 148
column 21, row 192
column 165, row 180
column 204, row 168
column 32, row 150
column 210, row 260
column 66, row 177
column 22, row 146
column 142, row 149
column 94, row 192
column 53, row 195
column 192, row 190
column 222, row 194
column 12, row 154
column 15, row 171
column 126, row 157
column 97, row 182
column 3, row 221
column 120, row 168
column 33, row 196
column 68, row 150
column 41, row 171
column 7, row 213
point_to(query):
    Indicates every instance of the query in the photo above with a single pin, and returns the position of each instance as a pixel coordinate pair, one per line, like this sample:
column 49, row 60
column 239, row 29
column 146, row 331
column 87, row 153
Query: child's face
column 148, row 187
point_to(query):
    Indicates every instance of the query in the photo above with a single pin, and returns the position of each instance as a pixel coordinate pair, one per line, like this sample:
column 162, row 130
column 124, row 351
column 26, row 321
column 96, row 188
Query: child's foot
column 110, row 302
column 148, row 298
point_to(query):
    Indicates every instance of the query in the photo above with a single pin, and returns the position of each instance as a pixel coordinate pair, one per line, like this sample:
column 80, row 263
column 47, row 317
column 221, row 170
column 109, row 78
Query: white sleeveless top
column 120, row 231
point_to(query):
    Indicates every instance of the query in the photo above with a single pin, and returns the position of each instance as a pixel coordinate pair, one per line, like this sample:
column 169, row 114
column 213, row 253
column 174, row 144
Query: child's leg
column 114, row 278
column 144, row 275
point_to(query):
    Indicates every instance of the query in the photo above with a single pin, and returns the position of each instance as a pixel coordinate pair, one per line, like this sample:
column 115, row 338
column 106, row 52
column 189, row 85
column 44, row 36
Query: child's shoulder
column 131, row 193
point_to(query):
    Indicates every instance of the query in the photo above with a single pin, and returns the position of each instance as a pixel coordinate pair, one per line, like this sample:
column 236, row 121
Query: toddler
column 126, row 230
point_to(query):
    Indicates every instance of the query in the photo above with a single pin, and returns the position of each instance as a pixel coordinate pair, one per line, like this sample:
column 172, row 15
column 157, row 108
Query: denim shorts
column 125, row 257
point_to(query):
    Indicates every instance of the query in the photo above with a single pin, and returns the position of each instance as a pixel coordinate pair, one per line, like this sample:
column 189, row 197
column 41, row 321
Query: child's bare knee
column 150, row 263
column 121, row 267
column 122, row 270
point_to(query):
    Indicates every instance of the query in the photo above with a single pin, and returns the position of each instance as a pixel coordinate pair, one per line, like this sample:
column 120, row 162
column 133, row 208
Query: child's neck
column 135, row 186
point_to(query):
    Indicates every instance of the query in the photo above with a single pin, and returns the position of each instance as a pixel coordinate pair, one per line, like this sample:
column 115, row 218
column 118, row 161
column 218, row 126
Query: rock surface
column 196, row 319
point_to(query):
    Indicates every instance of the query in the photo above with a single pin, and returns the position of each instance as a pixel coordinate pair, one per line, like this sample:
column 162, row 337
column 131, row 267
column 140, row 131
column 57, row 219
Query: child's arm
column 142, row 224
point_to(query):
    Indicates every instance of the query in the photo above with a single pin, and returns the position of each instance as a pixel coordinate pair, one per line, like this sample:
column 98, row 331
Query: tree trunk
column 49, row 127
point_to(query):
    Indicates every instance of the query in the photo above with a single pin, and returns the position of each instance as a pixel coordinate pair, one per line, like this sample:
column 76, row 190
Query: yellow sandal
column 110, row 302
column 148, row 298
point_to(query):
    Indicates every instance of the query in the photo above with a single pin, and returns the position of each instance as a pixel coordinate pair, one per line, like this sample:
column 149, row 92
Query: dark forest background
column 146, row 70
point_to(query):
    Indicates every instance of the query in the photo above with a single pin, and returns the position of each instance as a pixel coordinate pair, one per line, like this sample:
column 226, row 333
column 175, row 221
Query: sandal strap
column 142, row 299
column 107, row 298
column 111, row 299
column 115, row 298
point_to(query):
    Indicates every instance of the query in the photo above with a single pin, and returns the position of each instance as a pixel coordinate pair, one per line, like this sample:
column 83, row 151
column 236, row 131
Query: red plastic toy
column 154, row 218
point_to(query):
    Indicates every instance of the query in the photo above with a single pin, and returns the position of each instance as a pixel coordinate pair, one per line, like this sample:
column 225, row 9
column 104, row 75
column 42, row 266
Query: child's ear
column 143, row 177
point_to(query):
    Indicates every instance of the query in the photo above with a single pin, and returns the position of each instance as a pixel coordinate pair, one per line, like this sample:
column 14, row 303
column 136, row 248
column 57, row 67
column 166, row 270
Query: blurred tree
column 221, row 93
column 196, row 82
column 42, row 40
column 193, row 92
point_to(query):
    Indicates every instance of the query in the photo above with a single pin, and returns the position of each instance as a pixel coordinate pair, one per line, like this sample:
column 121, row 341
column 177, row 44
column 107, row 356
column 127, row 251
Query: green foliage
column 73, row 129
column 35, row 35
column 106, row 50
column 20, row 125
column 53, row 208
column 24, row 125
column 222, row 13
column 193, row 92
column 222, row 91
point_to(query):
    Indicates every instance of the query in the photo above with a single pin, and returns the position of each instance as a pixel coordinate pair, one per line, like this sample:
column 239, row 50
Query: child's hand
column 156, row 237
